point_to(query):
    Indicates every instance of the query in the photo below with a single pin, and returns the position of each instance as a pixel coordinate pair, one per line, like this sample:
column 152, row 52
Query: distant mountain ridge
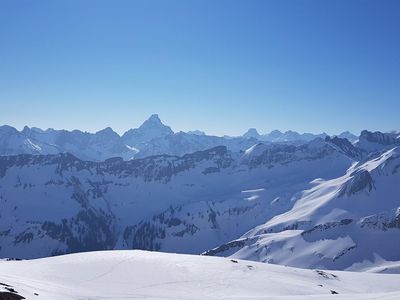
column 277, row 136
column 151, row 138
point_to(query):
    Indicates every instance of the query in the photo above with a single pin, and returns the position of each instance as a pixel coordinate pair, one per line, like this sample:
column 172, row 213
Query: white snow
column 152, row 275
column 347, row 223
column 131, row 148
column 34, row 146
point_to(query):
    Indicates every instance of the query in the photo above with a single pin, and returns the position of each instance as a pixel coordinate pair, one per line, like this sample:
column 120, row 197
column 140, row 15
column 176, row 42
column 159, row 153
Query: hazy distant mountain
column 151, row 138
column 14, row 142
column 277, row 136
column 90, row 146
column 196, row 132
column 151, row 128
column 182, row 143
column 252, row 133
column 155, row 138
column 348, row 135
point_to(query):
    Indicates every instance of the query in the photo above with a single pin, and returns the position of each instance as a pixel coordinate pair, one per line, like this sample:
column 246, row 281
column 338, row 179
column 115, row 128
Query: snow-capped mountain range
column 151, row 138
column 326, row 203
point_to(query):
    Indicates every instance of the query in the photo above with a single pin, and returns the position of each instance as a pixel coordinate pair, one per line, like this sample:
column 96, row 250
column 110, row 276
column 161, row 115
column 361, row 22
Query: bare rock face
column 377, row 141
column 346, row 146
column 10, row 296
column 361, row 180
column 382, row 221
column 379, row 137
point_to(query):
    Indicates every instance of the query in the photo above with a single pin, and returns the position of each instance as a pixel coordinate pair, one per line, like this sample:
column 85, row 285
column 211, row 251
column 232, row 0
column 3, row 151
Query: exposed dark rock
column 225, row 247
column 344, row 145
column 361, row 180
column 94, row 231
column 379, row 137
column 326, row 226
column 153, row 168
column 10, row 296
column 382, row 221
column 326, row 275
column 334, row 292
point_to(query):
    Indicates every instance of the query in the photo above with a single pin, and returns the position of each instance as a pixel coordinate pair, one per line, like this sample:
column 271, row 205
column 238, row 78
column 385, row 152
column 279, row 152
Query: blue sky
column 219, row 66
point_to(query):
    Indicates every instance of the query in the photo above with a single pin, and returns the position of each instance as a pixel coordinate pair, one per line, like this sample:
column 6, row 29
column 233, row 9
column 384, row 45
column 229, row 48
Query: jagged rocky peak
column 251, row 133
column 345, row 145
column 336, row 140
column 154, row 122
column 150, row 129
column 25, row 130
column 361, row 180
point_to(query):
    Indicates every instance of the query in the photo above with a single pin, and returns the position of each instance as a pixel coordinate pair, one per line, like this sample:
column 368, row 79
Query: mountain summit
column 251, row 133
column 150, row 129
column 154, row 122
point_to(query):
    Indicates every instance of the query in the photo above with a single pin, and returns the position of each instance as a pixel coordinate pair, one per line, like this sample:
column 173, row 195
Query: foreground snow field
column 152, row 275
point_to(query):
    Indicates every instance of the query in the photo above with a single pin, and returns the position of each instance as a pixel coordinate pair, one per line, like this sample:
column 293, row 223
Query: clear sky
column 218, row 66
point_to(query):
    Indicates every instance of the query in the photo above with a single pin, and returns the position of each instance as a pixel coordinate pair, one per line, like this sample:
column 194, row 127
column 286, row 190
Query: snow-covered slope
column 59, row 203
column 350, row 222
column 151, row 275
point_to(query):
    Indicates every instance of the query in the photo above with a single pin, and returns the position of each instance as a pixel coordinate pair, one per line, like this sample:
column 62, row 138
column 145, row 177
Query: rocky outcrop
column 361, row 180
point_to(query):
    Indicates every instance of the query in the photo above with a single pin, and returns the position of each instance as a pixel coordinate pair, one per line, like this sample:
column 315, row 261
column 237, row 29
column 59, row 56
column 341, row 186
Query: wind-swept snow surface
column 151, row 275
